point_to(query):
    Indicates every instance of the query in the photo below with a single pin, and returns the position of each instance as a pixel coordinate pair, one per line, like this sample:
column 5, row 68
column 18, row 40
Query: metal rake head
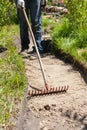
column 50, row 91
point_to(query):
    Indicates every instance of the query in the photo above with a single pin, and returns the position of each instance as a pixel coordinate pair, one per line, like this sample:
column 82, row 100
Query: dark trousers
column 33, row 9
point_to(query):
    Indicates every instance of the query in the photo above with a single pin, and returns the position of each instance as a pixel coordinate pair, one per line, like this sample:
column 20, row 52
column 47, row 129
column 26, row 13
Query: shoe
column 33, row 51
column 33, row 56
column 41, row 52
column 24, row 52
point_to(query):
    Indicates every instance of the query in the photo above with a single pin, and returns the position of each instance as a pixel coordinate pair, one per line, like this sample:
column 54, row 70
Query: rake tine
column 44, row 91
column 56, row 88
column 67, row 87
column 32, row 92
column 38, row 92
column 35, row 92
column 29, row 92
column 59, row 89
column 50, row 89
column 41, row 91
column 63, row 89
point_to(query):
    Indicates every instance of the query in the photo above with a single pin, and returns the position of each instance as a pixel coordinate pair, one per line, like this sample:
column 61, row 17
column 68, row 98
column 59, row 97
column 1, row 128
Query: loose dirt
column 66, row 111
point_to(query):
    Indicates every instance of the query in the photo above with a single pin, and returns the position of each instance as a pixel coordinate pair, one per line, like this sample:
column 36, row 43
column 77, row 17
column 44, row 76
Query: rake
column 47, row 89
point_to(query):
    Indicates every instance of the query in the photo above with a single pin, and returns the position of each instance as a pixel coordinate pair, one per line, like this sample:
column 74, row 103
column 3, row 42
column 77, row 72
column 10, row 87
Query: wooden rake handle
column 34, row 42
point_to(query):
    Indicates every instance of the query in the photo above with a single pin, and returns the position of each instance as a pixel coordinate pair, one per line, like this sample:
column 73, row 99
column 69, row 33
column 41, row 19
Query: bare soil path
column 66, row 111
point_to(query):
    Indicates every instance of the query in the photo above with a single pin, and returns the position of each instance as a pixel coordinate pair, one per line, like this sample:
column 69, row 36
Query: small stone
column 47, row 107
column 54, row 105
column 40, row 109
column 60, row 109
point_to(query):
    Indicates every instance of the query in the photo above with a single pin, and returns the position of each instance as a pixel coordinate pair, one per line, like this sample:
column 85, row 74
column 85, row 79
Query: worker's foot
column 33, row 51
column 24, row 52
column 33, row 56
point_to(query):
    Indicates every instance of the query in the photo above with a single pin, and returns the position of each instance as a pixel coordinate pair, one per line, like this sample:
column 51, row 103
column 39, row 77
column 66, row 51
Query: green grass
column 70, row 41
column 12, row 78
column 84, row 54
column 65, row 38
column 48, row 23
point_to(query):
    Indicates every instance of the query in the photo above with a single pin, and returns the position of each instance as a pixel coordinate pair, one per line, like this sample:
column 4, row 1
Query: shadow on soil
column 76, row 117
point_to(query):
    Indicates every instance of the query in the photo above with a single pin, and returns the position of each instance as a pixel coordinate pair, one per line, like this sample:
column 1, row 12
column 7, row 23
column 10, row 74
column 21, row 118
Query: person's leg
column 36, row 20
column 24, row 35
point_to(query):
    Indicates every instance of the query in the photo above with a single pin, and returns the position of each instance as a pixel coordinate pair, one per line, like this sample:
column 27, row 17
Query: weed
column 69, row 40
